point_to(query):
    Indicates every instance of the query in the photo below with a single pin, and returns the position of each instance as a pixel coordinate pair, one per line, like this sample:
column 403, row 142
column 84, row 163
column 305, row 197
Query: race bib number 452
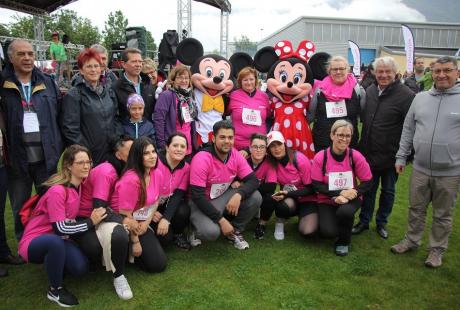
column 340, row 180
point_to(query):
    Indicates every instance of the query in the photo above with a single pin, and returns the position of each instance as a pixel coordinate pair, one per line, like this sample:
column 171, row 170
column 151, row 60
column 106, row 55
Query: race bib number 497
column 340, row 180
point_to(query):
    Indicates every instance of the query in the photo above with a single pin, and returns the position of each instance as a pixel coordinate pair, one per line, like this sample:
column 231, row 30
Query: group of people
column 139, row 173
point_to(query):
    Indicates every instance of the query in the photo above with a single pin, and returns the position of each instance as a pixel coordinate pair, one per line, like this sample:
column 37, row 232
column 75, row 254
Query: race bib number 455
column 340, row 180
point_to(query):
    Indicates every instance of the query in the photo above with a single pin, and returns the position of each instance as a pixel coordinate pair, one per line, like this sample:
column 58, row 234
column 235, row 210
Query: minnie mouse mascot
column 289, row 82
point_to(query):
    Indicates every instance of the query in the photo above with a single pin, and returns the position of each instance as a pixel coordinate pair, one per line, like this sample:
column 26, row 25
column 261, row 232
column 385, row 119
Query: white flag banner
column 356, row 58
column 409, row 47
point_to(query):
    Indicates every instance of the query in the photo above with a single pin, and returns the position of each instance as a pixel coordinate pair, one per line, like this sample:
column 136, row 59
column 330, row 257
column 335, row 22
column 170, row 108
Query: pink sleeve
column 362, row 169
column 55, row 203
column 199, row 170
column 103, row 185
column 304, row 168
column 317, row 167
column 183, row 185
column 243, row 167
column 128, row 192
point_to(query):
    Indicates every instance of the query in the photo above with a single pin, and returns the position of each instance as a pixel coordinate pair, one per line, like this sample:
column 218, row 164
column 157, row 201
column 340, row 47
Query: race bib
column 143, row 213
column 289, row 188
column 30, row 122
column 340, row 180
column 336, row 109
column 251, row 117
column 186, row 114
column 218, row 189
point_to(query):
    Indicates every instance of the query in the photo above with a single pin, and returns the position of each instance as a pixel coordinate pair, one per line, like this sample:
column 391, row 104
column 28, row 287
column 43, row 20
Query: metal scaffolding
column 224, row 16
column 184, row 19
column 39, row 35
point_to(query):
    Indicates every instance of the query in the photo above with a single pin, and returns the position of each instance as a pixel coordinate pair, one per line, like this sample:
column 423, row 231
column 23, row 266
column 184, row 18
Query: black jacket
column 88, row 119
column 413, row 85
column 46, row 100
column 383, row 119
column 123, row 88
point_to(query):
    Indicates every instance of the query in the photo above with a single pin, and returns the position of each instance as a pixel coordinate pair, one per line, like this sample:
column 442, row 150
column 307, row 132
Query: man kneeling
column 215, row 206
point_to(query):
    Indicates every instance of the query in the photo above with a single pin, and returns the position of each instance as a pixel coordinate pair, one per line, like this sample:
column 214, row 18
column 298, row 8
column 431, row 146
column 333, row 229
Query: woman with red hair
column 89, row 109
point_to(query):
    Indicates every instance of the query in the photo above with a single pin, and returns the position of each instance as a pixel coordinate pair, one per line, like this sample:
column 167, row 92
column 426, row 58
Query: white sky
column 254, row 19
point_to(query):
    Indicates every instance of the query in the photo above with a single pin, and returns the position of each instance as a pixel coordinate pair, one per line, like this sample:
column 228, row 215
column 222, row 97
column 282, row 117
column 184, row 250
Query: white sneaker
column 238, row 240
column 122, row 288
column 279, row 230
column 192, row 239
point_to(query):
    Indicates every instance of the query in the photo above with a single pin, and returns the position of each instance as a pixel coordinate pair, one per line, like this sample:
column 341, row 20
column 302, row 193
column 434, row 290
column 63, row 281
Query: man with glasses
column 387, row 104
column 432, row 128
column 130, row 82
column 30, row 101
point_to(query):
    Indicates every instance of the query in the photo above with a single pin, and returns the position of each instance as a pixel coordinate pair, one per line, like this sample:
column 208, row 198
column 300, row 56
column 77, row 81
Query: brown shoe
column 434, row 259
column 403, row 247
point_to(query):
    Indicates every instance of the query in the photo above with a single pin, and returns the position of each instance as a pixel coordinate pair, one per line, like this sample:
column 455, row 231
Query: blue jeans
column 4, row 249
column 388, row 179
column 59, row 256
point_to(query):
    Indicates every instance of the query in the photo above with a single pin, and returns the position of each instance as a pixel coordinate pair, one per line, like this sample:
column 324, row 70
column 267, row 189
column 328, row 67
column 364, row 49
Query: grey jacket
column 432, row 127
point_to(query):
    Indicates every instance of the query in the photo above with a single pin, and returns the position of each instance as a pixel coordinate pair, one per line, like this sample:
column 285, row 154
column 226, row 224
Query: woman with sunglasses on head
column 296, row 195
column 136, row 196
column 46, row 235
column 175, row 110
column 109, row 240
column 335, row 172
column 173, row 212
column 337, row 96
column 89, row 109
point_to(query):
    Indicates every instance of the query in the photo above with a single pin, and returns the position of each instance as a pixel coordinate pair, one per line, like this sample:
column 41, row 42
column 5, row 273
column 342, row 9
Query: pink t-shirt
column 99, row 184
column 253, row 107
column 128, row 188
column 52, row 207
column 361, row 170
column 292, row 178
column 265, row 173
column 210, row 172
column 186, row 129
column 172, row 180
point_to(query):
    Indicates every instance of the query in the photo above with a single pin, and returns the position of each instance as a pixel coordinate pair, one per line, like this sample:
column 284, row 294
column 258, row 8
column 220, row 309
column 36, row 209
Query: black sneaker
column 181, row 242
column 62, row 297
column 259, row 232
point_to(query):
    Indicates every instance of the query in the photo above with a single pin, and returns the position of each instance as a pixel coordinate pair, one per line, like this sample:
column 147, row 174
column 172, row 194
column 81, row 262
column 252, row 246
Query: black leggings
column 337, row 220
column 89, row 244
column 179, row 222
column 153, row 258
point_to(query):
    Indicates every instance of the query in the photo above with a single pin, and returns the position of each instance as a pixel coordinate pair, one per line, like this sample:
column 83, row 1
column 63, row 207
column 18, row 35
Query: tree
column 79, row 30
column 245, row 45
column 114, row 29
column 4, row 31
column 151, row 46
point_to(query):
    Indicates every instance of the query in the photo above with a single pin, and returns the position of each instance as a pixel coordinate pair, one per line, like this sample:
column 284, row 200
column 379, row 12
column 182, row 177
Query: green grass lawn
column 290, row 274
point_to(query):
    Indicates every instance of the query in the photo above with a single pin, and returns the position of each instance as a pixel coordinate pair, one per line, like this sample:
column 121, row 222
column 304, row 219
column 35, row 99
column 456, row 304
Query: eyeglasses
column 445, row 71
column 90, row 67
column 258, row 147
column 83, row 163
column 338, row 69
column 343, row 136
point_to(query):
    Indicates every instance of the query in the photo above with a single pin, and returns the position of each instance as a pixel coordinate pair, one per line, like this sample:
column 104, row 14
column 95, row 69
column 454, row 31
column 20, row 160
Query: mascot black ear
column 265, row 58
column 239, row 61
column 318, row 64
column 189, row 50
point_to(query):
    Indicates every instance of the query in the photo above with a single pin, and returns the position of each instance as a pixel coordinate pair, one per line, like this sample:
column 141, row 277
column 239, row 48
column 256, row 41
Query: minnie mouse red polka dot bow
column 305, row 50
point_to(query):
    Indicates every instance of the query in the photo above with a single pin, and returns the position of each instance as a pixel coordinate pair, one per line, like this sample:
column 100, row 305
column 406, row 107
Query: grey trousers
column 442, row 193
column 206, row 229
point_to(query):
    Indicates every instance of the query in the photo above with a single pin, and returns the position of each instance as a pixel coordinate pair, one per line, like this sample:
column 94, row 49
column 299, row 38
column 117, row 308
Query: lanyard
column 26, row 90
